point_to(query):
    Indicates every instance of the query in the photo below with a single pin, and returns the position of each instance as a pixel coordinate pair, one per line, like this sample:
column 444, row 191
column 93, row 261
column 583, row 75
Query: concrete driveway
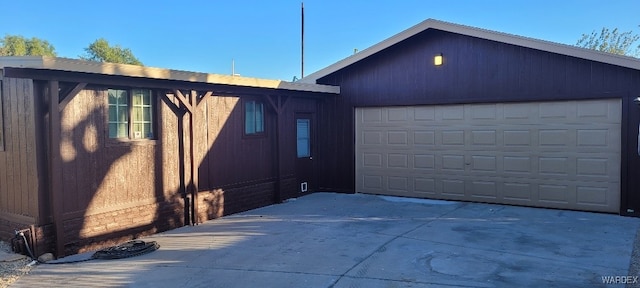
column 339, row 240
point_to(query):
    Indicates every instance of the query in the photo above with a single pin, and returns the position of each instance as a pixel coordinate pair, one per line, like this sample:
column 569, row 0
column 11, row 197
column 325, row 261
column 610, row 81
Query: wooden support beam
column 55, row 166
column 279, row 106
column 69, row 95
column 282, row 101
column 173, row 106
column 205, row 96
column 183, row 100
column 275, row 106
column 194, row 168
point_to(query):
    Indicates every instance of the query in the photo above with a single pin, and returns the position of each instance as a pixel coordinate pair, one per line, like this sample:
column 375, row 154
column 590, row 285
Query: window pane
column 123, row 130
column 259, row 117
column 123, row 115
column 137, row 114
column 123, row 98
column 146, row 113
column 137, row 99
column 249, row 117
column 113, row 130
column 146, row 97
column 113, row 113
column 303, row 135
column 112, row 97
column 148, row 132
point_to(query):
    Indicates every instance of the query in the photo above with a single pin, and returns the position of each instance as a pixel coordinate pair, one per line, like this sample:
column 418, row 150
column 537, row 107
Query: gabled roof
column 548, row 46
column 74, row 65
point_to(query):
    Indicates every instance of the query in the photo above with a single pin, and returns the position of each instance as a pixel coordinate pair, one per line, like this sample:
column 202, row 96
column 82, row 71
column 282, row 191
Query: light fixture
column 438, row 60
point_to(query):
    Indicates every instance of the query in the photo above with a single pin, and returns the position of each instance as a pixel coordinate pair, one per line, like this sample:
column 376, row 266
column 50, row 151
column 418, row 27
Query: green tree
column 15, row 45
column 611, row 41
column 101, row 51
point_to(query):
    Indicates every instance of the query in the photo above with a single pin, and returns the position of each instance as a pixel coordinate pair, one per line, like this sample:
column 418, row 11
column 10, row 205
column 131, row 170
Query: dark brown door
column 305, row 137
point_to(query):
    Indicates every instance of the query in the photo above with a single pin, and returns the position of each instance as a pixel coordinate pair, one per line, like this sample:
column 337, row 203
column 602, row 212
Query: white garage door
column 545, row 154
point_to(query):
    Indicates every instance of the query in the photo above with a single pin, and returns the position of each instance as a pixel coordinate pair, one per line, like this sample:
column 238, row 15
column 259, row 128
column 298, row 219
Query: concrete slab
column 339, row 240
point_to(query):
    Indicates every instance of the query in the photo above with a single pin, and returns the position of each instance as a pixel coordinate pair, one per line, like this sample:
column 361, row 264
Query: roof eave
column 74, row 65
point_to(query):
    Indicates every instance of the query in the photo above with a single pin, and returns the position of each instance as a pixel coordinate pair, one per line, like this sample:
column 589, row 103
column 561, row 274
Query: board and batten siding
column 241, row 170
column 114, row 188
column 476, row 71
column 19, row 179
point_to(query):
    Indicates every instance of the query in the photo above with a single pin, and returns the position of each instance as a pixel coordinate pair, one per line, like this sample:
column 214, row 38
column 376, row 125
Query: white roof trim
column 548, row 46
column 74, row 65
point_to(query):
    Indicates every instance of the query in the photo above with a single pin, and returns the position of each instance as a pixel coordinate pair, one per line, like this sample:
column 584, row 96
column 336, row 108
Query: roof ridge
column 503, row 37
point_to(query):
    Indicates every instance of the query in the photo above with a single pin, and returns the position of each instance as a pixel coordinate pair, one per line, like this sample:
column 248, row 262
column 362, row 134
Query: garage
column 555, row 154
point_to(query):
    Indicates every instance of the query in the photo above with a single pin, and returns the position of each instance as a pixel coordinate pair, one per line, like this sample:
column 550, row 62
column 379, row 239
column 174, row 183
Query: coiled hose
column 125, row 250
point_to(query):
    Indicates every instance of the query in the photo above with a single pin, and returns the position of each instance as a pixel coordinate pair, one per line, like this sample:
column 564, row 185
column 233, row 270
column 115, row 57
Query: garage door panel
column 424, row 113
column 452, row 162
column 484, row 163
column 519, row 111
column 424, row 161
column 425, row 185
column 483, row 137
column 453, row 187
column 517, row 164
column 422, row 137
column 397, row 114
column 555, row 137
column 603, row 111
column 452, row 137
column 556, row 193
column 545, row 154
column 517, row 191
column 483, row 189
column 451, row 112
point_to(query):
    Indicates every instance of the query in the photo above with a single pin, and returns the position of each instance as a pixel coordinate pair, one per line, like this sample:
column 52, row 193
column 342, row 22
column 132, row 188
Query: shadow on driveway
column 342, row 240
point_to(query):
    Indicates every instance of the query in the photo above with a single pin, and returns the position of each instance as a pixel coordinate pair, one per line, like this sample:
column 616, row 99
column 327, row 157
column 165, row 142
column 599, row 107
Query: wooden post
column 194, row 169
column 278, row 107
column 181, row 155
column 55, row 167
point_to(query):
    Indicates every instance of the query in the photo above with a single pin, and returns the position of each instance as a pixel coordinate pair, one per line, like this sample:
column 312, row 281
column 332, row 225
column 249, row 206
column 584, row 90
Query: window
column 134, row 104
column 303, row 137
column 253, row 118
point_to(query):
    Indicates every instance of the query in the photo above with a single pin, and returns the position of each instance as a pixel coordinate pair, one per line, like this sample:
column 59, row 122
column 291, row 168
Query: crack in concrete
column 377, row 250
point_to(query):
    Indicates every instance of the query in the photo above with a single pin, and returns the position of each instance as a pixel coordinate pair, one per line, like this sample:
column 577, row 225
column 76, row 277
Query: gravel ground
column 11, row 271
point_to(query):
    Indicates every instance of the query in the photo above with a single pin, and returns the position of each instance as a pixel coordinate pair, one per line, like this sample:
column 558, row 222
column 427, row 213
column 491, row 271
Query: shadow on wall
column 114, row 190
column 236, row 172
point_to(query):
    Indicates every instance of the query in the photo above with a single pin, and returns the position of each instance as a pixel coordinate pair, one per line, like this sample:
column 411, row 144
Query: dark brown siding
column 474, row 71
column 18, row 162
column 241, row 171
column 115, row 189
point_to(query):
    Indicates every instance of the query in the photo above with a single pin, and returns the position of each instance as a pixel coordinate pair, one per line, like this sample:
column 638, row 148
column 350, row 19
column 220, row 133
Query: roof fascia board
column 73, row 65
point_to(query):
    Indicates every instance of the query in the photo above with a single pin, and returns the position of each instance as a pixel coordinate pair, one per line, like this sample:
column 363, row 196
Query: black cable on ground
column 125, row 250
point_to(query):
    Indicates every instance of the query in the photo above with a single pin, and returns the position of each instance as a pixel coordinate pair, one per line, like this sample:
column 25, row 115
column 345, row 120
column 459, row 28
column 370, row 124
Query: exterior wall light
column 438, row 60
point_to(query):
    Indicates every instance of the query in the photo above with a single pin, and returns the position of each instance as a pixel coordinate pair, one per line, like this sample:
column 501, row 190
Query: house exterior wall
column 114, row 190
column 20, row 179
column 118, row 190
column 475, row 71
column 239, row 172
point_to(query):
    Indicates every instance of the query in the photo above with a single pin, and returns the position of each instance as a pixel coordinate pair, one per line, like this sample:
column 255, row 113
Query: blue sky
column 263, row 37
